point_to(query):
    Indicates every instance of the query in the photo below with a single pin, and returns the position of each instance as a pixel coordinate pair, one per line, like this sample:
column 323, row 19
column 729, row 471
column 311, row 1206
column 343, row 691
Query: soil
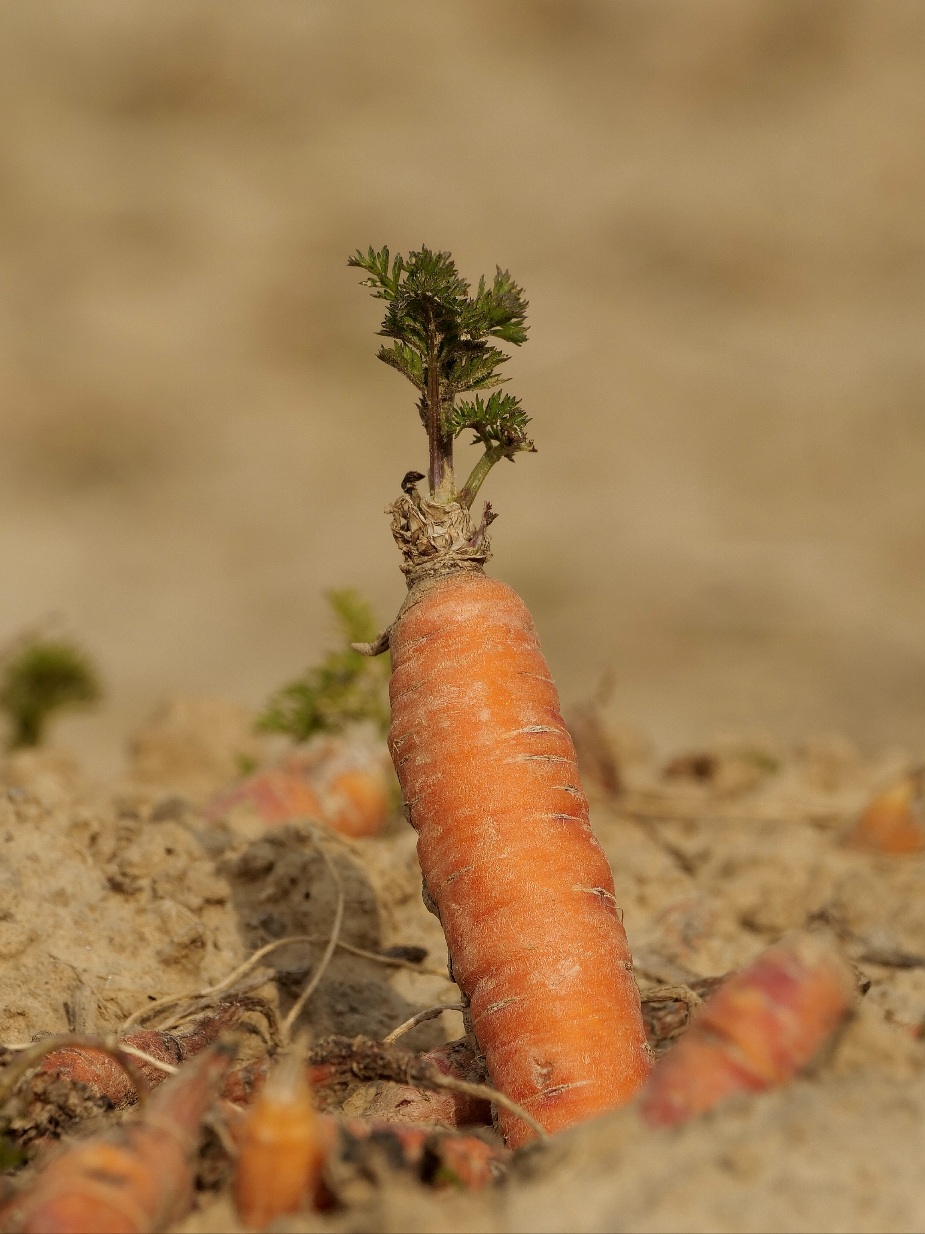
column 119, row 894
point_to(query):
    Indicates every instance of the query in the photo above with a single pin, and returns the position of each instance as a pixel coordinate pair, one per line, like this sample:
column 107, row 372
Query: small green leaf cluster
column 499, row 421
column 40, row 678
column 440, row 334
column 345, row 688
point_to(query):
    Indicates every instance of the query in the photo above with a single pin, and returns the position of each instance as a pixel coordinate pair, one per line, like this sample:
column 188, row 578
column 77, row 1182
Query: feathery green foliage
column 441, row 334
column 40, row 678
column 346, row 687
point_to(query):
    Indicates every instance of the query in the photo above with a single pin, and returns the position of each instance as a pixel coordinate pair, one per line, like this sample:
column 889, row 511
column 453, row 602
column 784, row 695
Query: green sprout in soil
column 39, row 679
column 441, row 334
column 345, row 688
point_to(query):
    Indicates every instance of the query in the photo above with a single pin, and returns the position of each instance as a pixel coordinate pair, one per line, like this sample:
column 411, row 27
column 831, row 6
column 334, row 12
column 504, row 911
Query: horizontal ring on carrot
column 486, row 766
column 760, row 1028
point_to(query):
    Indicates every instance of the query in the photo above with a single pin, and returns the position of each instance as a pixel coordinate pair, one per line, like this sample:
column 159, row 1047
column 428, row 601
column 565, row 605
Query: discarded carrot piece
column 337, row 781
column 280, row 1148
column 278, row 796
column 761, row 1027
column 133, row 1180
column 437, row 1156
column 402, row 1103
column 107, row 1079
column 891, row 823
column 487, row 768
column 358, row 803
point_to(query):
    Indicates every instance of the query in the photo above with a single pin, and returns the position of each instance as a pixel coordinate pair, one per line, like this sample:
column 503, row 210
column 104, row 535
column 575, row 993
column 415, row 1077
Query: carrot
column 892, row 822
column 336, row 782
column 280, row 1147
column 434, row 1155
column 134, row 1179
column 277, row 795
column 107, row 1079
column 402, row 1103
column 759, row 1029
column 486, row 766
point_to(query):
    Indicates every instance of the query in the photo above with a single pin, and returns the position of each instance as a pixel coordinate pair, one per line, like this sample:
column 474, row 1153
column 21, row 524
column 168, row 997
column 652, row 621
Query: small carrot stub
column 522, row 887
column 761, row 1027
column 401, row 1103
column 133, row 1180
column 280, row 1147
column 335, row 781
column 106, row 1078
column 891, row 822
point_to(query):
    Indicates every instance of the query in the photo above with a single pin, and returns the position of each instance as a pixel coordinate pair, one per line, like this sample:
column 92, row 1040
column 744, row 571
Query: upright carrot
column 487, row 768
column 135, row 1179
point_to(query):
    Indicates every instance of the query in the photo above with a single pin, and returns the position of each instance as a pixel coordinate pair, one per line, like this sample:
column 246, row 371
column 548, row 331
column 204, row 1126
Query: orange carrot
column 522, row 888
column 135, row 1179
column 762, row 1026
column 486, row 765
column 435, row 1155
column 339, row 783
column 891, row 823
column 107, row 1079
column 280, row 1147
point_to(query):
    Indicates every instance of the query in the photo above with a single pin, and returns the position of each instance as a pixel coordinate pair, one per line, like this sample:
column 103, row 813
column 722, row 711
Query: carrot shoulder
column 522, row 887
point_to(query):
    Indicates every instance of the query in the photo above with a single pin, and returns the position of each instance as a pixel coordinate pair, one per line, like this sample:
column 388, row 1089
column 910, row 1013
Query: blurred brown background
column 716, row 207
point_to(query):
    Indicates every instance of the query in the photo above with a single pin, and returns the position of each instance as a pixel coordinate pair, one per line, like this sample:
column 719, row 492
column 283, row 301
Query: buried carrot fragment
column 280, row 1147
column 135, row 1179
column 760, row 1028
column 893, row 821
column 402, row 1103
column 107, row 1079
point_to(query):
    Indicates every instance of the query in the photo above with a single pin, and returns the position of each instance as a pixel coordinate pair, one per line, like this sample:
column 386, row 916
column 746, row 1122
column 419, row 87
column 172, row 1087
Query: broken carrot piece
column 107, row 1079
column 336, row 781
column 891, row 823
column 402, row 1103
column 760, row 1028
column 134, row 1180
column 280, row 1147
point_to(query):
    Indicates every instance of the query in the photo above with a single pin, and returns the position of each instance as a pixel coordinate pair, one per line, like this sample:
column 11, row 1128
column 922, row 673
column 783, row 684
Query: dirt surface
column 114, row 897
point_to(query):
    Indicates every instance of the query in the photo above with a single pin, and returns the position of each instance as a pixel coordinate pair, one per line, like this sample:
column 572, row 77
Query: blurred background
column 716, row 208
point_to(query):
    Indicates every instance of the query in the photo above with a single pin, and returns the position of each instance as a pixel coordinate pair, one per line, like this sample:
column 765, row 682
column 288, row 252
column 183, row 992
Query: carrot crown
column 441, row 334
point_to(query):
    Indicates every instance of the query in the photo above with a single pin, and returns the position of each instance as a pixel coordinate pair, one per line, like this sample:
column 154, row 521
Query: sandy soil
column 117, row 896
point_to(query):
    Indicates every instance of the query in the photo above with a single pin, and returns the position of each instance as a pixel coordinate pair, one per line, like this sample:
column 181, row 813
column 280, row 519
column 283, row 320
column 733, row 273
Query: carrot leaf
column 344, row 688
column 440, row 332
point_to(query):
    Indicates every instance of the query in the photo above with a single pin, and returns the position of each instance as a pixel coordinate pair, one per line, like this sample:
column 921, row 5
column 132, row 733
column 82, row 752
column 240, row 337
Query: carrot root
column 103, row 1075
column 280, row 1147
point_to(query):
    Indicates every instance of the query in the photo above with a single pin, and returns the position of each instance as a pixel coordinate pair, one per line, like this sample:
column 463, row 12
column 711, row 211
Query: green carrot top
column 441, row 332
